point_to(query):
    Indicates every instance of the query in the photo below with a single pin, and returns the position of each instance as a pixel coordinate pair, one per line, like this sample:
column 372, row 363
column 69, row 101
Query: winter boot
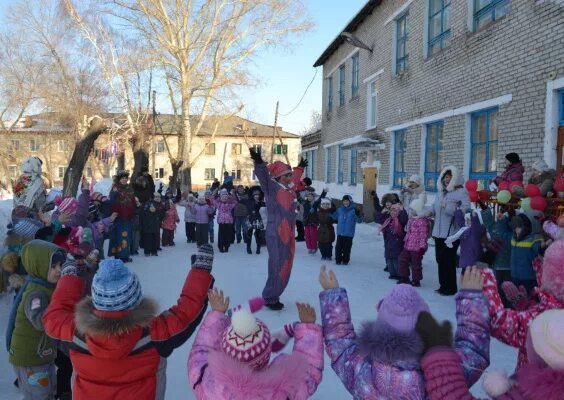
column 258, row 250
column 275, row 306
column 249, row 251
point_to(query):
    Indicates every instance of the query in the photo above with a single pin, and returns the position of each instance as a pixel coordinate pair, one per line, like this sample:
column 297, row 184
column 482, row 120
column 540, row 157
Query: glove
column 255, row 155
column 303, row 163
column 357, row 212
column 432, row 333
column 281, row 337
column 513, row 294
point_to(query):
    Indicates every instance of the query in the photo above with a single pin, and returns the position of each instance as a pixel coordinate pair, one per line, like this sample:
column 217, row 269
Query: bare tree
column 314, row 123
column 203, row 48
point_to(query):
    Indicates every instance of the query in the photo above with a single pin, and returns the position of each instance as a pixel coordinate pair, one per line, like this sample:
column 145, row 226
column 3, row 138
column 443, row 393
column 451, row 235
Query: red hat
column 278, row 168
column 68, row 205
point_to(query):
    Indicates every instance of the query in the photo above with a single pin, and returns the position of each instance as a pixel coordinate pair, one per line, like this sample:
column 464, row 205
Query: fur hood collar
column 537, row 382
column 457, row 179
column 89, row 321
column 281, row 380
column 381, row 342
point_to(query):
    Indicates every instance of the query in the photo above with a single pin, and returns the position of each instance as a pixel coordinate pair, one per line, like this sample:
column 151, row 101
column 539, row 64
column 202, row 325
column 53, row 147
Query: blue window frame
column 328, row 164
column 488, row 11
column 342, row 85
column 561, row 108
column 433, row 155
column 400, row 146
column 330, row 94
column 353, row 166
column 310, row 169
column 355, row 71
column 439, row 25
column 401, row 44
column 483, row 153
column 340, row 164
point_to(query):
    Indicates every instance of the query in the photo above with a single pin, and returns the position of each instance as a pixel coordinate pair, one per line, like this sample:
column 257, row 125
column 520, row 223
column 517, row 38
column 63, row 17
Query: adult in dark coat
column 144, row 186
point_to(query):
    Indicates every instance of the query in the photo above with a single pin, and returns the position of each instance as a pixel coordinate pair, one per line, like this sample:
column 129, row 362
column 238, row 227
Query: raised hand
column 432, row 333
column 217, row 301
column 303, row 163
column 255, row 155
column 472, row 279
column 327, row 281
column 306, row 312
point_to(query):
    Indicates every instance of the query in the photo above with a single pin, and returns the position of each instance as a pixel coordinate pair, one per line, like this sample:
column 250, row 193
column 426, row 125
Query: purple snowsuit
column 383, row 363
column 280, row 241
column 470, row 242
column 393, row 243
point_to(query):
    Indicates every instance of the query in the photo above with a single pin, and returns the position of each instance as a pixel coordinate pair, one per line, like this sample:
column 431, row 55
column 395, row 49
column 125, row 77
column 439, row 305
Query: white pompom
column 244, row 323
column 496, row 383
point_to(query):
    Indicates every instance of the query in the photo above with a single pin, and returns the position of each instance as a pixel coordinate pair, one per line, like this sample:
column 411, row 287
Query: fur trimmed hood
column 457, row 179
column 88, row 322
column 284, row 378
column 538, row 382
column 381, row 342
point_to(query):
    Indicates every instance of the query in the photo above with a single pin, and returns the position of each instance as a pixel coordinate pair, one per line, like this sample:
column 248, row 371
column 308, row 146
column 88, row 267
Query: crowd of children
column 76, row 315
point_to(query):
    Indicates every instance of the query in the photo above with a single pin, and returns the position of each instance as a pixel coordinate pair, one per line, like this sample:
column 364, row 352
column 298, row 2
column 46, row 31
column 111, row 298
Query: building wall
column 512, row 62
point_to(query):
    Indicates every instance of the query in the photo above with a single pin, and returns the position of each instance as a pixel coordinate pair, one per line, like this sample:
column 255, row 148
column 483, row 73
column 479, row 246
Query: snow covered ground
column 242, row 276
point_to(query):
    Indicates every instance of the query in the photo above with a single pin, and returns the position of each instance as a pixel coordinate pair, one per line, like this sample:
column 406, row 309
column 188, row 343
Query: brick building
column 458, row 82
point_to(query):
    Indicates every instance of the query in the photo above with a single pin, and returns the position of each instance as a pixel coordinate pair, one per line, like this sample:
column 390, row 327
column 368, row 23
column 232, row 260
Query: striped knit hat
column 26, row 228
column 115, row 287
column 68, row 205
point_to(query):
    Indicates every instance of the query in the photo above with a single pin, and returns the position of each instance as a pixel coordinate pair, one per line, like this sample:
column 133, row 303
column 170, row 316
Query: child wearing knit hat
column 230, row 358
column 541, row 379
column 325, row 229
column 383, row 359
column 119, row 343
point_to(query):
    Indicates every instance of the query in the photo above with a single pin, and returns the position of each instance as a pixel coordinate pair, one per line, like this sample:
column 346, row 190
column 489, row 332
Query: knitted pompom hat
column 115, row 287
column 552, row 270
column 401, row 307
column 26, row 228
column 278, row 168
column 546, row 338
column 325, row 202
column 68, row 205
column 247, row 340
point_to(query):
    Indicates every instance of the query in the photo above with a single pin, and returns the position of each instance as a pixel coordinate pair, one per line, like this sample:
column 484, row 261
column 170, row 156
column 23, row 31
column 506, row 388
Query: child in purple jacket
column 225, row 204
column 393, row 221
column 383, row 361
column 470, row 236
column 202, row 211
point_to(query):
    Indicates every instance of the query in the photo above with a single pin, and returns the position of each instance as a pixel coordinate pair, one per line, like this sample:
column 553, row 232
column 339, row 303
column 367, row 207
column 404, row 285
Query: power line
column 303, row 96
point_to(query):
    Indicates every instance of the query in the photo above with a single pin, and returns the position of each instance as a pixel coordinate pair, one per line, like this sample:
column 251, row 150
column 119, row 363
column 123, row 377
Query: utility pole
column 154, row 133
column 274, row 132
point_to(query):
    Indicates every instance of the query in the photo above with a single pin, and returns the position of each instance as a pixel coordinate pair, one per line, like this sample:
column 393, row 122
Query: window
column 353, row 166
column 561, row 107
column 355, row 71
column 488, row 11
column 236, row 174
column 15, row 145
column 330, row 94
column 342, row 85
column 88, row 172
column 328, row 164
column 439, row 25
column 371, row 105
column 257, row 148
column 483, row 156
column 236, row 149
column 159, row 173
column 433, row 155
column 13, row 171
column 401, row 44
column 61, row 173
column 34, row 145
column 310, row 169
column 160, row 146
column 209, row 174
column 400, row 145
column 210, row 149
column 279, row 149
column 62, row 146
column 340, row 164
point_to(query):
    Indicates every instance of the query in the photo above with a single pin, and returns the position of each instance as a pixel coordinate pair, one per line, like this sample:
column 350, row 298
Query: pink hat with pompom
column 278, row 168
column 68, row 205
column 552, row 270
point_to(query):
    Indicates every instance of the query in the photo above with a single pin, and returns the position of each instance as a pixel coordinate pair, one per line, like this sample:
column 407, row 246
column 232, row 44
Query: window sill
column 355, row 99
column 488, row 28
column 371, row 128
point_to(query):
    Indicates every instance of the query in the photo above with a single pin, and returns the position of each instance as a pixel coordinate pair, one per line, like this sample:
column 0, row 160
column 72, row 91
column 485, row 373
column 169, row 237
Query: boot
column 249, row 251
column 258, row 249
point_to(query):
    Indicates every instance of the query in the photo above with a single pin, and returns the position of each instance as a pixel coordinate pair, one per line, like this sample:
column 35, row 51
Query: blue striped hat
column 115, row 287
column 26, row 227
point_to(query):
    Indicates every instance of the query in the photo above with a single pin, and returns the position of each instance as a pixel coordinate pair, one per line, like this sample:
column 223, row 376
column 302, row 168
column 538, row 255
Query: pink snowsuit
column 213, row 375
column 414, row 248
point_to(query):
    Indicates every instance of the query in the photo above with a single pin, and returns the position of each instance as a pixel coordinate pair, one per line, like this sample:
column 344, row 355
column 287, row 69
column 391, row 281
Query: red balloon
column 532, row 190
column 538, row 203
column 503, row 186
column 516, row 183
column 484, row 195
column 471, row 185
column 473, row 196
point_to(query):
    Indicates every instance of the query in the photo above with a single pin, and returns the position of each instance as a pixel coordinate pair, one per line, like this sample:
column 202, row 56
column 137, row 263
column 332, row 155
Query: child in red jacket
column 118, row 343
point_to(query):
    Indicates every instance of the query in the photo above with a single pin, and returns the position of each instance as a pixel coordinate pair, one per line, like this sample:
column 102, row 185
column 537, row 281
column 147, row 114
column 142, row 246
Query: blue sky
column 284, row 74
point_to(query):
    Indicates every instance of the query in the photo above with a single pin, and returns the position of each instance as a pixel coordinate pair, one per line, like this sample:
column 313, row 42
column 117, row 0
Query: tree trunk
column 80, row 155
column 173, row 180
column 140, row 159
column 187, row 179
column 121, row 161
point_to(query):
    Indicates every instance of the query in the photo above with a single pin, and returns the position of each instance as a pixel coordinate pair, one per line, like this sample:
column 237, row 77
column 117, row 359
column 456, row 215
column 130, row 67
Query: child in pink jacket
column 230, row 357
column 169, row 224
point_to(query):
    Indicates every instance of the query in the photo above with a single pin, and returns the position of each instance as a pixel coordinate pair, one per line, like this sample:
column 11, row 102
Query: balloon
column 532, row 190
column 538, row 203
column 503, row 186
column 471, row 185
column 526, row 204
column 516, row 183
column 473, row 196
column 484, row 195
column 503, row 197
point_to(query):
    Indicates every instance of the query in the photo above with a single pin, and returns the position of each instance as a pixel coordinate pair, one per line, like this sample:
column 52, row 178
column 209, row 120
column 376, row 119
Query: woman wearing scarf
column 122, row 200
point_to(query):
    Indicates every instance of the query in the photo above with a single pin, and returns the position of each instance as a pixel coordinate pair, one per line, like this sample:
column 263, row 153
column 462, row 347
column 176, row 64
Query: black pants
column 258, row 238
column 300, row 229
column 447, row 261
column 64, row 373
column 202, row 234
column 225, row 237
column 190, row 231
column 343, row 249
column 168, row 237
column 150, row 240
column 326, row 249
